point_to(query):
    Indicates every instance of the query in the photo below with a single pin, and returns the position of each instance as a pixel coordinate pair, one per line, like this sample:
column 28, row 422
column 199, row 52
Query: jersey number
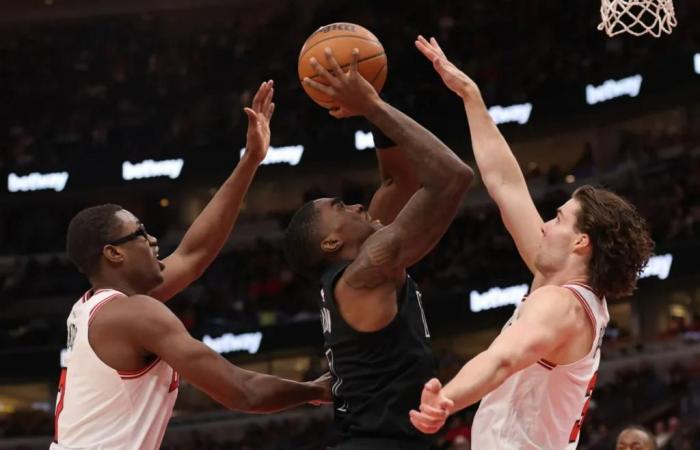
column 576, row 430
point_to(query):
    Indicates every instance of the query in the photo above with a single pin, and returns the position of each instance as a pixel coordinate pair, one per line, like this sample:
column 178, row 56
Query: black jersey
column 378, row 376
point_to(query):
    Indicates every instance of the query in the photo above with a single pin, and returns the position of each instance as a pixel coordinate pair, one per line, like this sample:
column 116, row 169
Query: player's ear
column 331, row 243
column 582, row 243
column 113, row 254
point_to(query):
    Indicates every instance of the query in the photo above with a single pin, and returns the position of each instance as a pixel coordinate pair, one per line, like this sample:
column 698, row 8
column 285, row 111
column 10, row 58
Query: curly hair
column 619, row 237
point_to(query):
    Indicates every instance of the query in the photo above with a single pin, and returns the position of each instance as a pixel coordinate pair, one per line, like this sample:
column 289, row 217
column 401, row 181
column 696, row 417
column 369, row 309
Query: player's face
column 140, row 252
column 352, row 223
column 558, row 238
column 633, row 440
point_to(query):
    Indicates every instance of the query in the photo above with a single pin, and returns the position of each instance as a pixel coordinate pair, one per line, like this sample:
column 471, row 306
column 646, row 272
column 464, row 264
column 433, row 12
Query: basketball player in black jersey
column 377, row 338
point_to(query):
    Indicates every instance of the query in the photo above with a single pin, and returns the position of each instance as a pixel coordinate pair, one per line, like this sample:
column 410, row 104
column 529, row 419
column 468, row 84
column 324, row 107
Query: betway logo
column 234, row 343
column 363, row 140
column 36, row 181
column 613, row 88
column 696, row 63
column 149, row 168
column 496, row 297
column 519, row 113
column 658, row 266
column 290, row 154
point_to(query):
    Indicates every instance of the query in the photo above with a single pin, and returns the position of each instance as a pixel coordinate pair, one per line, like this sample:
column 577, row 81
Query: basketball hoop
column 637, row 17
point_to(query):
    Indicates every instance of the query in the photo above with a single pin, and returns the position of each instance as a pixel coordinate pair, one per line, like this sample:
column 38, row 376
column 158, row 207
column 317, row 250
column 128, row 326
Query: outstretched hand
column 351, row 93
column 453, row 78
column 326, row 395
column 259, row 116
column 434, row 408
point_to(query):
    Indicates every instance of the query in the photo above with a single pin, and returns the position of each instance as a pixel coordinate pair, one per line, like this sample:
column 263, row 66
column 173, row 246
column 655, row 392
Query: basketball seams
column 374, row 41
column 359, row 61
column 379, row 72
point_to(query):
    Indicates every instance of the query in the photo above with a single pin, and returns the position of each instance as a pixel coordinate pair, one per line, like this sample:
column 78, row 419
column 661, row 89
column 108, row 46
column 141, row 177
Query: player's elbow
column 460, row 177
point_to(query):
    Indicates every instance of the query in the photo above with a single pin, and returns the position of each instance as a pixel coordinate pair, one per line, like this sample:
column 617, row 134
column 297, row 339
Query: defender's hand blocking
column 434, row 408
column 353, row 95
column 453, row 78
column 325, row 382
column 259, row 116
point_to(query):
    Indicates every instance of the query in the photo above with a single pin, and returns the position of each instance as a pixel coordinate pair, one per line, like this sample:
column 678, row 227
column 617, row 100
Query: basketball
column 342, row 38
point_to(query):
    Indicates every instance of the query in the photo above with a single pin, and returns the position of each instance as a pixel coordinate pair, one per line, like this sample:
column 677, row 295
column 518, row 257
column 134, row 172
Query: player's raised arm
column 158, row 331
column 398, row 179
column 548, row 320
column 499, row 169
column 211, row 229
column 444, row 179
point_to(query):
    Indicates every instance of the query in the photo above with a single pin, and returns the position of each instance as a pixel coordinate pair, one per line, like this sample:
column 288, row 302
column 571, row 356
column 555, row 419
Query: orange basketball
column 342, row 38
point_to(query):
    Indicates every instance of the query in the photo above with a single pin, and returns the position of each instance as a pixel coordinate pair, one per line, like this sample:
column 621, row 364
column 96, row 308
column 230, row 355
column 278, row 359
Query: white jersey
column 99, row 408
column 542, row 407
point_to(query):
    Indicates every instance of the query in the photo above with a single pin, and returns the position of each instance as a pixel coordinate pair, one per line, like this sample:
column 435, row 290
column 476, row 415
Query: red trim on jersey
column 131, row 374
column 97, row 307
column 544, row 365
column 59, row 405
column 586, row 308
column 585, row 286
column 89, row 294
column 551, row 364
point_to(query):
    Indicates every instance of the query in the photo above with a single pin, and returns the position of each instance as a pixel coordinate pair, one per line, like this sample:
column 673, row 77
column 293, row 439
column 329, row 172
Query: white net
column 637, row 17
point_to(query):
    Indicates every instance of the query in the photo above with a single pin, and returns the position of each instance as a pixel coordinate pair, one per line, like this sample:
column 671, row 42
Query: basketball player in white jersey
column 126, row 349
column 535, row 380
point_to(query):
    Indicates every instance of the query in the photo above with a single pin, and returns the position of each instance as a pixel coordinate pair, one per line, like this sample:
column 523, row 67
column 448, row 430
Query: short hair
column 644, row 430
column 302, row 242
column 619, row 237
column 88, row 232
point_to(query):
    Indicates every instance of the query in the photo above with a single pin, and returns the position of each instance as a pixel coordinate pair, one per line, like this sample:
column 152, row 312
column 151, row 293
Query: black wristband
column 380, row 139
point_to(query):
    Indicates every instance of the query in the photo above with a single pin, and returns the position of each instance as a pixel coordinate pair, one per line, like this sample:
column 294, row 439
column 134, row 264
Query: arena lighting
column 496, row 297
column 696, row 61
column 230, row 342
column 363, row 140
column 36, row 181
column 149, row 168
column 611, row 89
column 658, row 266
column 290, row 154
column 519, row 113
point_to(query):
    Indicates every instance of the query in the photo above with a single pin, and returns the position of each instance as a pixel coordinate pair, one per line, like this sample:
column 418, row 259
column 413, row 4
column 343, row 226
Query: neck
column 115, row 283
column 567, row 274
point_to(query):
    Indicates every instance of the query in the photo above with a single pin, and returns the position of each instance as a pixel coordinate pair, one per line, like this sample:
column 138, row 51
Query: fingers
column 446, row 404
column 252, row 115
column 323, row 73
column 260, row 95
column 339, row 113
column 270, row 110
column 335, row 67
column 328, row 90
column 433, row 385
column 436, row 46
column 433, row 412
column 424, row 424
column 425, row 49
column 265, row 104
column 354, row 60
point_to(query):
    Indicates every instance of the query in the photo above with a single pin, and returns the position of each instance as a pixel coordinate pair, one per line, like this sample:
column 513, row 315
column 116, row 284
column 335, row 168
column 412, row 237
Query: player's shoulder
column 130, row 309
column 553, row 299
